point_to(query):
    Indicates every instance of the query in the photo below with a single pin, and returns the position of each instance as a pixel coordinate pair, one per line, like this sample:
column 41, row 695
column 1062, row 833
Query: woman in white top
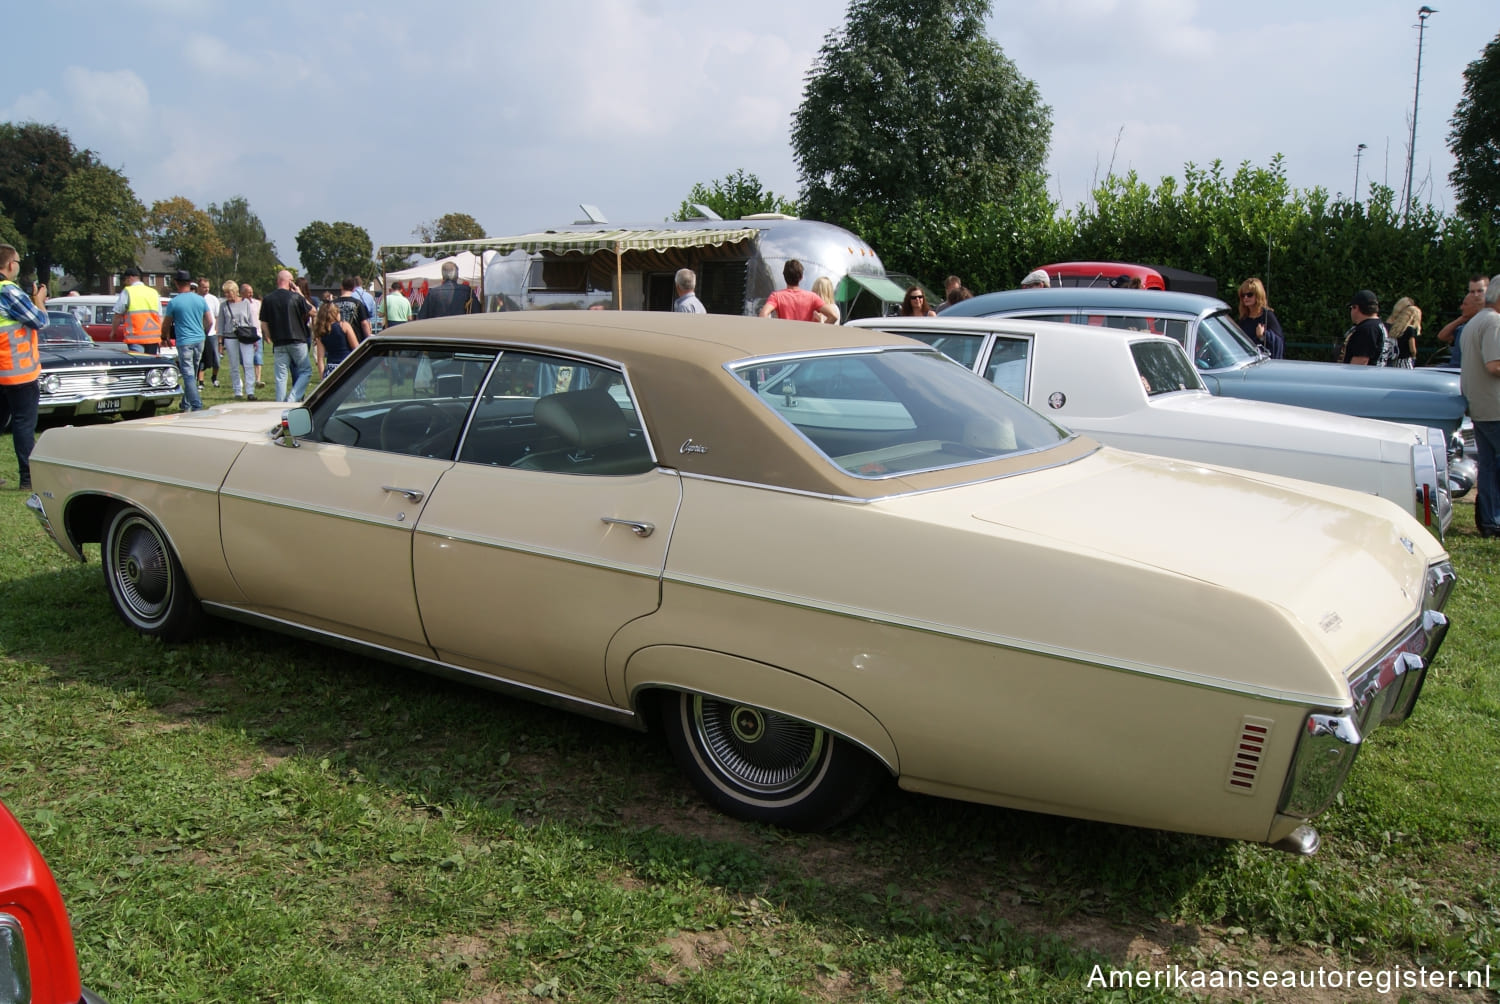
column 239, row 333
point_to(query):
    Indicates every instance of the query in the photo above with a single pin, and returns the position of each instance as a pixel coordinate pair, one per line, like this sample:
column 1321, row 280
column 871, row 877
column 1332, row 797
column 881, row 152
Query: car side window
column 1008, row 364
column 547, row 413
column 402, row 399
column 1174, row 327
column 960, row 347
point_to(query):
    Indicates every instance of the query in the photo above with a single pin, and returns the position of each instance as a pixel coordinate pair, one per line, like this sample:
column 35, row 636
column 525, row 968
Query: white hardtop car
column 1139, row 391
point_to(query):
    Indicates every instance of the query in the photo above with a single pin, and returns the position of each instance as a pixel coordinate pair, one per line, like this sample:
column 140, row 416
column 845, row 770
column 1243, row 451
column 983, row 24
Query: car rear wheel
column 767, row 767
column 145, row 579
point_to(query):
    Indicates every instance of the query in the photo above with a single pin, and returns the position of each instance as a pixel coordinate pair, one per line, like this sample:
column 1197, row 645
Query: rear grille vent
column 1249, row 754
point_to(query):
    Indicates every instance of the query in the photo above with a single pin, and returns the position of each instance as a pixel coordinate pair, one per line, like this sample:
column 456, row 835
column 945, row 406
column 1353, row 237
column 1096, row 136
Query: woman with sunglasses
column 1258, row 321
column 914, row 304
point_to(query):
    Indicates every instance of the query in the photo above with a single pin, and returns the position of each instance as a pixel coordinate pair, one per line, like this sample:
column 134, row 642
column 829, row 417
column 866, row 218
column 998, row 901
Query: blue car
column 1229, row 363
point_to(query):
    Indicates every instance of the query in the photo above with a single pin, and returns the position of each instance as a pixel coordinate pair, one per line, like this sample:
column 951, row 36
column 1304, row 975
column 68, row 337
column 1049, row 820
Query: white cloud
column 385, row 114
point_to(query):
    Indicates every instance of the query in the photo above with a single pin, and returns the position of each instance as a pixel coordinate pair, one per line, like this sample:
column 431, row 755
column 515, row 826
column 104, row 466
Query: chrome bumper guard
column 1386, row 691
column 34, row 503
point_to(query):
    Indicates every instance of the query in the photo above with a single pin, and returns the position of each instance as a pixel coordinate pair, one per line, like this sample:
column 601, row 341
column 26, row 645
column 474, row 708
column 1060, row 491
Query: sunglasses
column 915, row 296
column 1247, row 296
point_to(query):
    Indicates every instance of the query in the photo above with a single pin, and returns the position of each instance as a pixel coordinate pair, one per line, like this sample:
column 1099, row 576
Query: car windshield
column 1164, row 368
column 63, row 329
column 878, row 413
column 1221, row 344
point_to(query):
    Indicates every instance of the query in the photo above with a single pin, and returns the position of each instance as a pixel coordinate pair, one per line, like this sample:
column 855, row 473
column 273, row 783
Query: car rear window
column 1164, row 368
column 881, row 413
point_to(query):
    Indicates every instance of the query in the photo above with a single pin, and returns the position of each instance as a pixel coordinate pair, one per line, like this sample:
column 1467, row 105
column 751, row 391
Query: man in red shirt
column 794, row 303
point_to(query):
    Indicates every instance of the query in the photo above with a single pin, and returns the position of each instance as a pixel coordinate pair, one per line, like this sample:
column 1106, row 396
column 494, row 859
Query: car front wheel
column 767, row 767
column 145, row 579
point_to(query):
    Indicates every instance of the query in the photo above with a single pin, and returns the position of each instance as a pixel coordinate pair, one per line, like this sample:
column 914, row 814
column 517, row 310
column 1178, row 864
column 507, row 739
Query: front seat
column 596, row 437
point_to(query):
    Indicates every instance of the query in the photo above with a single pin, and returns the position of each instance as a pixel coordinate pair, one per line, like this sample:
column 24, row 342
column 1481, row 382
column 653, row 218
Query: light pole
column 1357, row 152
column 1423, row 13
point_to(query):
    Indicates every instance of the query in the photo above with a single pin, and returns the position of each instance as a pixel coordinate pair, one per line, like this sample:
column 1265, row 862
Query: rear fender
column 729, row 677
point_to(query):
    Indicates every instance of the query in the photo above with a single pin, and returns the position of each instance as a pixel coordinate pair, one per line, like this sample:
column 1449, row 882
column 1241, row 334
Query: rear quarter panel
column 1015, row 673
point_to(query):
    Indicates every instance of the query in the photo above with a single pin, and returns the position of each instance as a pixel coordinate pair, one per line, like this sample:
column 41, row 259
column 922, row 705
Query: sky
column 389, row 115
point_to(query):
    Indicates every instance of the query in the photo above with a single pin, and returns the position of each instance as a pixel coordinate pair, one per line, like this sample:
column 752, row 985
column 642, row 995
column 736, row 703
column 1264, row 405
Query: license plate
column 108, row 406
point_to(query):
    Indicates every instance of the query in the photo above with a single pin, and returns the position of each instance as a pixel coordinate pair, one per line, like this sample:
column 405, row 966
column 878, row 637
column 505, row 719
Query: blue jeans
column 18, row 407
column 188, row 359
column 1487, row 491
column 292, row 357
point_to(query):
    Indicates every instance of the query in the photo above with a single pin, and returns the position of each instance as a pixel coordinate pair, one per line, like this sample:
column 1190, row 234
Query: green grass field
column 251, row 818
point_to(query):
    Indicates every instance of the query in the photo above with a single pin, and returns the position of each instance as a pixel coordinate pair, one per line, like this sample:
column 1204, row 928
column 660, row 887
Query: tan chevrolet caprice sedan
column 815, row 557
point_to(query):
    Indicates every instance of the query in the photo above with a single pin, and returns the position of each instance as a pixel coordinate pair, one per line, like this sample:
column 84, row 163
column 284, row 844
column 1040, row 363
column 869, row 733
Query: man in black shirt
column 283, row 320
column 352, row 308
column 1364, row 343
column 452, row 297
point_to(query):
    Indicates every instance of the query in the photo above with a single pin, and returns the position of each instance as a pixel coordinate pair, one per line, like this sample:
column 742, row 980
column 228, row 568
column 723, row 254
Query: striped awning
column 581, row 241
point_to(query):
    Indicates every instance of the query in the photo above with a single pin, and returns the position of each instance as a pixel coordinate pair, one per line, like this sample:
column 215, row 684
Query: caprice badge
column 688, row 446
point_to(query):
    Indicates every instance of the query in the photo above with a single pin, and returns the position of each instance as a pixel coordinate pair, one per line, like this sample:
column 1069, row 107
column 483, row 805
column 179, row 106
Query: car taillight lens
column 15, row 971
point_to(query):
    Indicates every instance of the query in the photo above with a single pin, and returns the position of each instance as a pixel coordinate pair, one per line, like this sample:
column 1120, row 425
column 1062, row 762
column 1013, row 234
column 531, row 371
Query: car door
column 549, row 533
column 321, row 535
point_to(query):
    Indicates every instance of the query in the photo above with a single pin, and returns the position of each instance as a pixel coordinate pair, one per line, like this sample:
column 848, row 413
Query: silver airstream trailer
column 738, row 264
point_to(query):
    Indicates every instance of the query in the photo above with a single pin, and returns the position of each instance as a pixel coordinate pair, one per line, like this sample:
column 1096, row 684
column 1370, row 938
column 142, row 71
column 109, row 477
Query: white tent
column 469, row 269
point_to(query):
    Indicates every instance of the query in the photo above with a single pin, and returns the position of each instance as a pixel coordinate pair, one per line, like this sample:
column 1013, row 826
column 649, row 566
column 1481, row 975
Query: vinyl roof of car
column 676, row 363
column 1082, row 297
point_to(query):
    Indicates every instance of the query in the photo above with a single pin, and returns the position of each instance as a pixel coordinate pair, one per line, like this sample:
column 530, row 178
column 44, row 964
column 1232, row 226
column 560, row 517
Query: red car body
column 36, row 942
column 1119, row 274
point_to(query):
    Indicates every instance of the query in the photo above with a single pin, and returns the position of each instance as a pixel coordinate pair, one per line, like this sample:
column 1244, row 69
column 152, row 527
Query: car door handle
column 411, row 494
column 636, row 526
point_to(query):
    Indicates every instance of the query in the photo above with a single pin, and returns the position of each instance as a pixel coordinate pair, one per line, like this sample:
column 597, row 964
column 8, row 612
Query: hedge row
column 1311, row 252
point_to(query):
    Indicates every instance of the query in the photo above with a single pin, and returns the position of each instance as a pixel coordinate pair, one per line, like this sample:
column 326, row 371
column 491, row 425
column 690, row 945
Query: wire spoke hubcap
column 760, row 750
column 141, row 569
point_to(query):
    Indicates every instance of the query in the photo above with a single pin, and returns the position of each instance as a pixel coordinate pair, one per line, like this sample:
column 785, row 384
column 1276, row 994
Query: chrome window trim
column 909, row 493
column 397, row 342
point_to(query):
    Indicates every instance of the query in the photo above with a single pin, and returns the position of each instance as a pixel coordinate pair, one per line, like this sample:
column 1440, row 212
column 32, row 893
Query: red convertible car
column 38, row 964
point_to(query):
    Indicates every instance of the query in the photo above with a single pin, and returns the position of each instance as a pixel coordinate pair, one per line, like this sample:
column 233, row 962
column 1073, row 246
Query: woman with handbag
column 239, row 329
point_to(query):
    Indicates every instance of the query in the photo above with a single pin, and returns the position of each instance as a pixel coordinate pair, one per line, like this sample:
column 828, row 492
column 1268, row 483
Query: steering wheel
column 411, row 424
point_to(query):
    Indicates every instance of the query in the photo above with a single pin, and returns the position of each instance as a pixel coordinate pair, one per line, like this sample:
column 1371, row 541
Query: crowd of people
column 308, row 334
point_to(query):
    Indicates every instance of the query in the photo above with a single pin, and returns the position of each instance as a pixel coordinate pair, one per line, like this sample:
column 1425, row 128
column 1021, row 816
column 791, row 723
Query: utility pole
column 1357, row 152
column 1423, row 13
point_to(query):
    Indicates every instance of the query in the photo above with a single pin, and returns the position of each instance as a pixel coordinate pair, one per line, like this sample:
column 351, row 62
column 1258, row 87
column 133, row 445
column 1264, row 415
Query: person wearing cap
column 138, row 314
column 187, row 322
column 1364, row 342
column 1037, row 278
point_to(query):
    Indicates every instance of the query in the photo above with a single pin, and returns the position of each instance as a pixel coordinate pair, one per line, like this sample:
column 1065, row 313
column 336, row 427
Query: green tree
column 37, row 163
column 177, row 226
column 735, row 196
column 912, row 101
column 331, row 251
column 95, row 225
column 449, row 227
column 11, row 234
column 248, row 256
column 1475, row 139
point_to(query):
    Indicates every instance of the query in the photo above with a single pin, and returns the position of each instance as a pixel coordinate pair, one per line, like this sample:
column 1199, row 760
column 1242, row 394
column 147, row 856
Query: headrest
column 587, row 419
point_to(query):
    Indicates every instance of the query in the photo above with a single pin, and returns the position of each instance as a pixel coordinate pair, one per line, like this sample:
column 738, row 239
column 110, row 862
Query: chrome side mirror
column 295, row 423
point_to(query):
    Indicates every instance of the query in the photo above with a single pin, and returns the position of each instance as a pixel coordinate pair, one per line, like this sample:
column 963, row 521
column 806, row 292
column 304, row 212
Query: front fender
column 729, row 677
